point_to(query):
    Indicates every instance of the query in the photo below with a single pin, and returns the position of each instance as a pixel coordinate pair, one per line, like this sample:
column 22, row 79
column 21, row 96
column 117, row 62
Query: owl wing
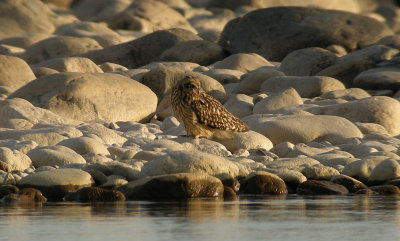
column 213, row 114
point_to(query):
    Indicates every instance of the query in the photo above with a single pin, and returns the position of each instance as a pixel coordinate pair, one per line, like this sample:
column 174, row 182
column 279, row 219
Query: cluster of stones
column 85, row 110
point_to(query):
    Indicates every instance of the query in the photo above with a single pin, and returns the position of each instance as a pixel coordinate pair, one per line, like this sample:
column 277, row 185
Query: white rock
column 14, row 160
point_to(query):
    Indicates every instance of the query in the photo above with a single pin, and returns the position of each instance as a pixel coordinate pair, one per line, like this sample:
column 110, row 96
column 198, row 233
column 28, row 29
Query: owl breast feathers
column 201, row 114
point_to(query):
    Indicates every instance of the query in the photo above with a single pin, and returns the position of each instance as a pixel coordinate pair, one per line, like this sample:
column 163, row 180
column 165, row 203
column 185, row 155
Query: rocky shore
column 85, row 111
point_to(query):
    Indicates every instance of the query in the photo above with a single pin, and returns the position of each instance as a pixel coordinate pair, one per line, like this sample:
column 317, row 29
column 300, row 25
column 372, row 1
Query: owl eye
column 189, row 86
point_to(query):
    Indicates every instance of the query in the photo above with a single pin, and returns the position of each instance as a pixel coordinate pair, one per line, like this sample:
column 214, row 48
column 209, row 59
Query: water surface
column 267, row 218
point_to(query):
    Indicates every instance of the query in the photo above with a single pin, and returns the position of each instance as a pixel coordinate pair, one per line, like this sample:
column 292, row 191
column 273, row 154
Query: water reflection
column 286, row 217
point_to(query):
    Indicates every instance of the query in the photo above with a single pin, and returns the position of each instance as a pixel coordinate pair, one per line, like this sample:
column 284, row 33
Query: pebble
column 85, row 99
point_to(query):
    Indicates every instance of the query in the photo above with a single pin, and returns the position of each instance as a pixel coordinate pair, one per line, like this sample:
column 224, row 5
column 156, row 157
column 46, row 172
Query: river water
column 251, row 218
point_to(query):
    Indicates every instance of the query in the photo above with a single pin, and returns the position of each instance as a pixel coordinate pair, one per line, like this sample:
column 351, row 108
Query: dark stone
column 7, row 189
column 275, row 32
column 27, row 195
column 4, row 166
column 262, row 183
column 143, row 50
column 394, row 182
column 353, row 185
column 229, row 193
column 380, row 190
column 320, row 187
column 232, row 183
column 174, row 186
column 94, row 194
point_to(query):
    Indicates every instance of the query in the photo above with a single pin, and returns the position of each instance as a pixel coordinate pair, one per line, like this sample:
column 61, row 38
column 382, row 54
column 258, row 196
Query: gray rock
column 242, row 62
column 276, row 101
column 307, row 62
column 195, row 51
column 14, row 72
column 71, row 64
column 303, row 129
column 89, row 97
column 311, row 27
column 174, row 186
column 59, row 46
column 307, row 87
column 13, row 160
column 55, row 184
column 353, row 185
column 54, row 156
column 145, row 49
column 321, row 187
column 85, row 145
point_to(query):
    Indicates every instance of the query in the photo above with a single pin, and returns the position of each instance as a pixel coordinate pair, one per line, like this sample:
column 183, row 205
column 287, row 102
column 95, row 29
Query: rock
column 242, row 62
column 360, row 169
column 24, row 41
column 370, row 128
column 334, row 160
column 353, row 185
column 174, row 186
column 54, row 156
column 25, row 196
column 378, row 78
column 71, row 64
column 107, row 135
column 309, row 150
column 60, row 46
column 303, row 129
column 224, row 76
column 246, row 140
column 42, row 71
column 7, row 189
column 292, row 178
column 262, row 183
column 111, row 67
column 114, row 182
column 379, row 109
column 375, row 53
column 195, row 51
column 319, row 172
column 346, row 94
column 312, row 27
column 282, row 149
column 162, row 80
column 11, row 50
column 84, row 145
column 307, row 62
column 97, row 31
column 240, row 105
column 229, row 194
column 189, row 162
column 90, row 97
column 145, row 49
column 94, row 194
column 307, row 87
column 321, row 187
column 380, row 190
column 276, row 101
column 347, row 71
column 346, row 5
column 14, row 160
column 148, row 16
column 297, row 164
column 18, row 113
column 250, row 83
column 14, row 72
column 384, row 171
column 55, row 184
column 46, row 136
column 104, row 11
column 20, row 17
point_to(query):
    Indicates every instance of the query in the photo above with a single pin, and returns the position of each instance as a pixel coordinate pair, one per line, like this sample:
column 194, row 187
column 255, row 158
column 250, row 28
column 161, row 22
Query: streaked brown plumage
column 201, row 114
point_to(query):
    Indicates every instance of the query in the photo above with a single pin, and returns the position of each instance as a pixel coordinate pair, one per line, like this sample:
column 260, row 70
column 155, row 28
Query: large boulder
column 19, row 17
column 141, row 51
column 174, row 186
column 99, row 10
column 295, row 28
column 89, row 97
column 379, row 109
column 149, row 16
column 54, row 156
column 14, row 72
column 18, row 113
column 55, row 184
column 59, row 46
column 189, row 162
column 303, row 129
column 306, row 86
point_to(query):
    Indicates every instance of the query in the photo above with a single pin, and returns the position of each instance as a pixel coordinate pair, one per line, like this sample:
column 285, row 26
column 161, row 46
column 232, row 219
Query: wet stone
column 263, row 183
column 321, row 187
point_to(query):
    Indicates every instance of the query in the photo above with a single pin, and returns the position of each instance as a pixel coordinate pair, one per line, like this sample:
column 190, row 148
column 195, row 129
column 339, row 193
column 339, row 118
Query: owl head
column 189, row 84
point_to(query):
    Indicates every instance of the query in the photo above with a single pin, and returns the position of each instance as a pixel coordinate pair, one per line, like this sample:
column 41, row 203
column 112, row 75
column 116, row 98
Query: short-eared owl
column 200, row 113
